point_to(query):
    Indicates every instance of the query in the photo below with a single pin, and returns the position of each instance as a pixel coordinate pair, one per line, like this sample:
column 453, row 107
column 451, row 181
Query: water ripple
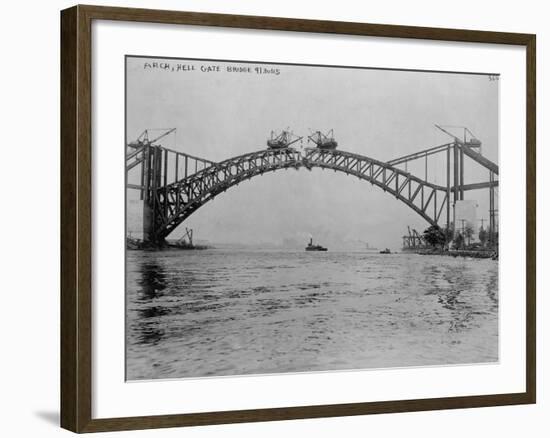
column 214, row 312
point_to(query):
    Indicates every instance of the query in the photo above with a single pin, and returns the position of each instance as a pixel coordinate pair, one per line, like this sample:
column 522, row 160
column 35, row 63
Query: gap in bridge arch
column 286, row 207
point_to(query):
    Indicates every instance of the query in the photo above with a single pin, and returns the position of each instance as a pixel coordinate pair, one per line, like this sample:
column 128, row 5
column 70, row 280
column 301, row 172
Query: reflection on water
column 218, row 312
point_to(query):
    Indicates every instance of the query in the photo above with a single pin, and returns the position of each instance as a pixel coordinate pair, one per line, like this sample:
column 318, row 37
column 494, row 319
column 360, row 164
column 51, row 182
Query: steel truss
column 174, row 185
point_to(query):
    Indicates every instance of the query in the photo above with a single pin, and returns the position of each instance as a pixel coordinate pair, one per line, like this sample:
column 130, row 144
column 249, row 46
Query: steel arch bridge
column 171, row 196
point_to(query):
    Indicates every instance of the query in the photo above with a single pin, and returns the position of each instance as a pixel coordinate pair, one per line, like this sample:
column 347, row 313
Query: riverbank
column 475, row 254
column 138, row 244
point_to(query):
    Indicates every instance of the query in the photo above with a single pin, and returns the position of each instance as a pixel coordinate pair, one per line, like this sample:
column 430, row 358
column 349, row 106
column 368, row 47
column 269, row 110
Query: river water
column 228, row 312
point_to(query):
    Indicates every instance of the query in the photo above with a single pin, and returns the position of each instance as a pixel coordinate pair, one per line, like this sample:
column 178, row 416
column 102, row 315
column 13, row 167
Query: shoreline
column 476, row 254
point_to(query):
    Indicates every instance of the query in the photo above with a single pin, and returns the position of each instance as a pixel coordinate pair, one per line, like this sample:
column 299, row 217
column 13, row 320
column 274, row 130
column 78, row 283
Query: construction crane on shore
column 413, row 240
column 187, row 238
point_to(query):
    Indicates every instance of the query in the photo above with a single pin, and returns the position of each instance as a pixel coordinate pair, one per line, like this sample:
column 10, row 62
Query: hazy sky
column 377, row 113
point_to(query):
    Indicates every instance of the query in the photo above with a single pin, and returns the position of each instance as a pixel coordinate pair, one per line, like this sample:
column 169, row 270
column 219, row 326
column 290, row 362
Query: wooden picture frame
column 76, row 217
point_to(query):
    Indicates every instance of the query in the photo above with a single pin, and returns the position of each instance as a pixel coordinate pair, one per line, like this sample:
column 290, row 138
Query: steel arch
column 177, row 201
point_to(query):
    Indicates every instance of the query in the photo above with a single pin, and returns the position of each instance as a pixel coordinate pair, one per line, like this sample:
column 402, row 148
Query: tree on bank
column 449, row 234
column 458, row 241
column 434, row 236
column 469, row 233
column 482, row 236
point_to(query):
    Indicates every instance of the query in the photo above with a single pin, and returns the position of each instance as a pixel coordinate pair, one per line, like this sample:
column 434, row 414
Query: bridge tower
column 151, row 181
column 158, row 168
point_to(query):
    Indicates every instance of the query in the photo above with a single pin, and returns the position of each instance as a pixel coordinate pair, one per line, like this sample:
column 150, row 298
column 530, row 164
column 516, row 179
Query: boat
column 385, row 251
column 312, row 247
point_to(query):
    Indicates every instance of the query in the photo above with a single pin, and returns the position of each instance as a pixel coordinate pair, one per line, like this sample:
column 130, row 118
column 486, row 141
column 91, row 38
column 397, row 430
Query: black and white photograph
column 275, row 219
column 292, row 218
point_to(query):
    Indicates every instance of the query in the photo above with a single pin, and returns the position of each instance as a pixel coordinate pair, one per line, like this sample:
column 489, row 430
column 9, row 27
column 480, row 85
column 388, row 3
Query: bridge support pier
column 148, row 223
column 448, row 188
column 461, row 191
column 492, row 212
column 152, row 169
column 455, row 182
column 148, row 219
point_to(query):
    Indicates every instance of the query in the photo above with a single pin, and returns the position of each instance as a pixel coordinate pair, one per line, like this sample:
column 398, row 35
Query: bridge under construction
column 174, row 184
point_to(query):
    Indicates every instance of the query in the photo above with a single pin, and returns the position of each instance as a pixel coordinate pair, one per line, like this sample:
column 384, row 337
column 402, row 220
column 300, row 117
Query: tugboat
column 385, row 251
column 312, row 247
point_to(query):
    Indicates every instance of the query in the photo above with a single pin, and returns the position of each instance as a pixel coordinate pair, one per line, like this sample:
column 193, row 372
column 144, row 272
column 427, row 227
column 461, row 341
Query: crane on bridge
column 466, row 148
column 472, row 141
column 143, row 139
column 139, row 145
column 323, row 141
column 282, row 140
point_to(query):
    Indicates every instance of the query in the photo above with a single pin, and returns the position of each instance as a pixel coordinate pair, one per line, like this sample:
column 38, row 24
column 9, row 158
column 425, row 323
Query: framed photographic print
column 270, row 218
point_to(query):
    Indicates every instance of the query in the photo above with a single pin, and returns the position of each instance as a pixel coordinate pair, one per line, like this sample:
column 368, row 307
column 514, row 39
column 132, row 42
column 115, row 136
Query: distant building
column 465, row 214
